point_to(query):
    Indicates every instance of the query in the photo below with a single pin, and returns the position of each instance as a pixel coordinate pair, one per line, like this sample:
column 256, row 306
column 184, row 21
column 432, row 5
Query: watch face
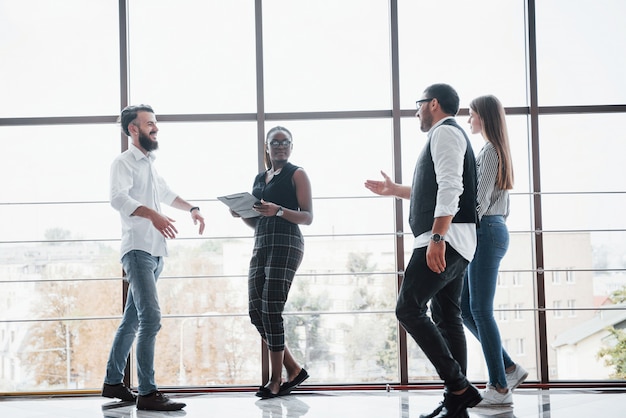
column 436, row 237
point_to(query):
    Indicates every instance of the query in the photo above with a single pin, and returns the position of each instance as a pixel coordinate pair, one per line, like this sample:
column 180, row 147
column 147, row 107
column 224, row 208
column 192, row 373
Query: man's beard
column 147, row 143
column 426, row 121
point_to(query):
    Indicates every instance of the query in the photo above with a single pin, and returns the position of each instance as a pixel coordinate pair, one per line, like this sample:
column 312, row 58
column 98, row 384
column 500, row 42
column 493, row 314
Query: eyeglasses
column 275, row 143
column 420, row 102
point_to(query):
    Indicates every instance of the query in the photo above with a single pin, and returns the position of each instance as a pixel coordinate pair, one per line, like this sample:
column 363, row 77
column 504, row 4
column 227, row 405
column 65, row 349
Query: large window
column 343, row 77
column 59, row 58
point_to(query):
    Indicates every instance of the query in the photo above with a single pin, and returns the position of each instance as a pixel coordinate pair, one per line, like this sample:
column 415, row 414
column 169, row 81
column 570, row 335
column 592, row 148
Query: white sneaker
column 516, row 377
column 491, row 397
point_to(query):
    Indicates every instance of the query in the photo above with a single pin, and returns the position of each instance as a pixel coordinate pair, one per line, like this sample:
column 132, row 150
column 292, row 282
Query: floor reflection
column 325, row 404
column 284, row 407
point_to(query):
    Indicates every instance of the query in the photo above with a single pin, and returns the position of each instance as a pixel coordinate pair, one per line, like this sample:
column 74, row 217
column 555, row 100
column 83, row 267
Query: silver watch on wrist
column 436, row 238
column 280, row 211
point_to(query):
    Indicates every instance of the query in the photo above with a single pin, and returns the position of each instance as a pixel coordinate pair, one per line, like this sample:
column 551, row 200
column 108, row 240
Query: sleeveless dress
column 277, row 254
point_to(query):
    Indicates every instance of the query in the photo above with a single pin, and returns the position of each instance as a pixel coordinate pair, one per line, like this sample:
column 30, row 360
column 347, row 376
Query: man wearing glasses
column 443, row 220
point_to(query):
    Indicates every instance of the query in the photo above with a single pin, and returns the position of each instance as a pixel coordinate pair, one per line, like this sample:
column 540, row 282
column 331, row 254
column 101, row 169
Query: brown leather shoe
column 157, row 401
column 118, row 391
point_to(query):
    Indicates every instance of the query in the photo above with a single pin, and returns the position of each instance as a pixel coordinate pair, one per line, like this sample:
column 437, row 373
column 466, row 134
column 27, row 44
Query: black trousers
column 442, row 338
column 278, row 252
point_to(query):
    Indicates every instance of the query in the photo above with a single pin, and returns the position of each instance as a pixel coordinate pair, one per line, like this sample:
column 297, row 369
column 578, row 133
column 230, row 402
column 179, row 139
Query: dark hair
column 268, row 162
column 491, row 114
column 446, row 96
column 129, row 114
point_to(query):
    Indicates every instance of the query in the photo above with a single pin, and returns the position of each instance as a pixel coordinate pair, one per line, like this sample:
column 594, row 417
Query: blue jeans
column 442, row 339
column 142, row 318
column 478, row 293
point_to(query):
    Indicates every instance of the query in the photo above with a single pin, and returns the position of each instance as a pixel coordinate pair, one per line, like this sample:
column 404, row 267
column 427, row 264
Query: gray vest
column 424, row 189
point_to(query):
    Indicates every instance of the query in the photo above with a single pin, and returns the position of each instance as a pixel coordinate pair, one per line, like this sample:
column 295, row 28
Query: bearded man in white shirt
column 137, row 192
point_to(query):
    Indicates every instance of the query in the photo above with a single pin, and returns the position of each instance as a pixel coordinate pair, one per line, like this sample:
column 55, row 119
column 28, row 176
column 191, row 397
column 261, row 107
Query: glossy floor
column 349, row 404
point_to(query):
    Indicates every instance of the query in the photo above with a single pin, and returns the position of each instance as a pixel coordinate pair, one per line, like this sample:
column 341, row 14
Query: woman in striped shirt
column 495, row 179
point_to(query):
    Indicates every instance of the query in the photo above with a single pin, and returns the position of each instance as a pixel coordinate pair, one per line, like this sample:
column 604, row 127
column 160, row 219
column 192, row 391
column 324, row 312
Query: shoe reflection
column 129, row 410
column 282, row 407
column 491, row 412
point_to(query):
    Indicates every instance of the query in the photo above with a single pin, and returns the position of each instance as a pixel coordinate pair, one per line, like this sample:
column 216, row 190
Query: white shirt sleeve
column 121, row 184
column 448, row 146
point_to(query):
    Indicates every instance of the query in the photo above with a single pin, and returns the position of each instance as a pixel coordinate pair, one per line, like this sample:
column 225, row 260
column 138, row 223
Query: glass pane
column 585, row 211
column 55, row 355
column 339, row 155
column 219, row 224
column 59, row 222
column 314, row 61
column 65, row 162
column 342, row 276
column 466, row 53
column 190, row 353
column 331, row 344
column 46, row 292
column 582, row 153
column 353, row 337
column 195, row 277
column 340, row 348
column 48, row 343
column 520, row 218
column 206, row 160
column 608, row 251
column 353, row 216
column 519, row 139
column 520, row 255
column 336, row 254
column 584, row 250
column 193, row 56
column 584, row 304
column 567, row 57
column 76, row 293
column 585, row 344
column 59, row 58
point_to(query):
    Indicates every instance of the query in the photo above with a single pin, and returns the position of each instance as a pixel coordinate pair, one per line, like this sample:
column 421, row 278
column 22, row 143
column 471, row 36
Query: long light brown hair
column 491, row 114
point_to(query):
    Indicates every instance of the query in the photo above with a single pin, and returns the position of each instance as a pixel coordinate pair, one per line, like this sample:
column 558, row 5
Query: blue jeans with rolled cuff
column 142, row 319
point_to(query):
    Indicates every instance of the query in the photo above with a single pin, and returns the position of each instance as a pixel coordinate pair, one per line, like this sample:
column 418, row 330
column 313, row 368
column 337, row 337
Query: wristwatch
column 436, row 238
column 280, row 211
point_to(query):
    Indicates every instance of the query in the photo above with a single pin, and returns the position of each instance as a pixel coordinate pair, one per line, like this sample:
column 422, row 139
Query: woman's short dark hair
column 129, row 114
column 447, row 97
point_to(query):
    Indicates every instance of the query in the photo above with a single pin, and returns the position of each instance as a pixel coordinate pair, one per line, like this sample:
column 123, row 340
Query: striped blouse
column 491, row 199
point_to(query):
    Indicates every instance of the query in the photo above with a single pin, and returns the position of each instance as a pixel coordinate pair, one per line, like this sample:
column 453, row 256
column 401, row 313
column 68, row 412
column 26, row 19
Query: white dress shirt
column 447, row 147
column 135, row 182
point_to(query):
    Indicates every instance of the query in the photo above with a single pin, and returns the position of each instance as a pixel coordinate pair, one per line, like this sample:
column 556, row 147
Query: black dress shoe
column 264, row 392
column 456, row 405
column 156, row 401
column 118, row 391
